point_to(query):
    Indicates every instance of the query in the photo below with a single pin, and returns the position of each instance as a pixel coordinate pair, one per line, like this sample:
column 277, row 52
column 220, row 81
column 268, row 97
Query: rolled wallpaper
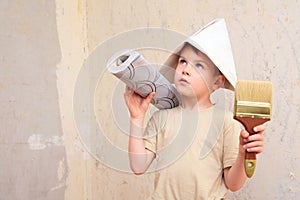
column 131, row 68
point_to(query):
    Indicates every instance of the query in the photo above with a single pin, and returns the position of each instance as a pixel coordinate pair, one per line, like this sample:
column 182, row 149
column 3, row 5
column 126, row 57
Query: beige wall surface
column 64, row 124
column 32, row 153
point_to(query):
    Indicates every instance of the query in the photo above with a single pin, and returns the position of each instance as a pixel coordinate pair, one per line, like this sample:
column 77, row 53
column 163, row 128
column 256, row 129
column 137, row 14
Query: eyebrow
column 196, row 61
column 201, row 61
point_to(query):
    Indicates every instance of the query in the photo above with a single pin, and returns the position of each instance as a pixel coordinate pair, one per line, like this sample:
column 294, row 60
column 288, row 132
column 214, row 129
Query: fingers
column 249, row 138
column 130, row 96
column 259, row 128
column 128, row 92
column 135, row 99
column 255, row 142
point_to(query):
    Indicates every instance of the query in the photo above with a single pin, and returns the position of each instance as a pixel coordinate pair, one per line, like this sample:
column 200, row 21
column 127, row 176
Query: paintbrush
column 252, row 107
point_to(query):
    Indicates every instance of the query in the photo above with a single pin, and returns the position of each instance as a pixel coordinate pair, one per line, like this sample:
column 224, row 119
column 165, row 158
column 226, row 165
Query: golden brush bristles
column 253, row 99
column 255, row 91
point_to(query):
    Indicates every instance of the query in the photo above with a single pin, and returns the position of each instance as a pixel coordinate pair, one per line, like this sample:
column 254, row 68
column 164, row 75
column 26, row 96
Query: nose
column 186, row 70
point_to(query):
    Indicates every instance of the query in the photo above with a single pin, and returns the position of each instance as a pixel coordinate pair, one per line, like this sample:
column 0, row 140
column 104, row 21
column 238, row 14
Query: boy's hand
column 136, row 104
column 252, row 143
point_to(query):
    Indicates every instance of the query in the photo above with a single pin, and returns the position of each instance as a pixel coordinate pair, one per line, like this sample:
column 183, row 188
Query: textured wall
column 44, row 45
column 265, row 41
column 32, row 154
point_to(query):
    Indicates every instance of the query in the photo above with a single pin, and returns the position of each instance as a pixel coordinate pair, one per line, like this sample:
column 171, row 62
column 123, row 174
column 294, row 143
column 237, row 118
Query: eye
column 182, row 61
column 199, row 66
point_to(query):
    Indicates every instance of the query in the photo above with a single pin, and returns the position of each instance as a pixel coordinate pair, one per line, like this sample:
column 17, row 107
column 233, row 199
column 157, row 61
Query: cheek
column 208, row 77
column 178, row 71
column 203, row 83
column 178, row 67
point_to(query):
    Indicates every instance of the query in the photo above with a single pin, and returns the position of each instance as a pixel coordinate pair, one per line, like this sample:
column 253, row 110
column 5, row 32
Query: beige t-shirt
column 192, row 149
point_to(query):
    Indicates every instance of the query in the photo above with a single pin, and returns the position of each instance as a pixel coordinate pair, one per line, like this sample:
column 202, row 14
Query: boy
column 212, row 157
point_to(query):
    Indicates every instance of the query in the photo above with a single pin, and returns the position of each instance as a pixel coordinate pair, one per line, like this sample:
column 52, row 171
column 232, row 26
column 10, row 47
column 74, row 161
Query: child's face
column 196, row 74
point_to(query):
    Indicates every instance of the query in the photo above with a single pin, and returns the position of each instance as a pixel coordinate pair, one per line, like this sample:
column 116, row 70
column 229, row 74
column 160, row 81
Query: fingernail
column 255, row 129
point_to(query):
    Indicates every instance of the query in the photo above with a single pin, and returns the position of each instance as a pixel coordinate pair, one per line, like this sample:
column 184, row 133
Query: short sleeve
column 231, row 142
column 153, row 129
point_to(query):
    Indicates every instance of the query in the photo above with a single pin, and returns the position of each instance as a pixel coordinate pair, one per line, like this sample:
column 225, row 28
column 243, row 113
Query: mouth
column 184, row 81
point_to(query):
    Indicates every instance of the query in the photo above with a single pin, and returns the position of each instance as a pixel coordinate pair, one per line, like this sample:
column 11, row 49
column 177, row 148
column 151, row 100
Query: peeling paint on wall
column 71, row 23
column 37, row 142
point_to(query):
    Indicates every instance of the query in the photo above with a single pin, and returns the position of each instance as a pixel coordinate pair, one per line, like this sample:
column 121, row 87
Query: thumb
column 244, row 136
column 150, row 97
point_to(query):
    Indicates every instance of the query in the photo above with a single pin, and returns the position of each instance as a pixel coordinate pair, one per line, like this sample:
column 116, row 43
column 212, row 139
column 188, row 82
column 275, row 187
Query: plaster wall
column 44, row 45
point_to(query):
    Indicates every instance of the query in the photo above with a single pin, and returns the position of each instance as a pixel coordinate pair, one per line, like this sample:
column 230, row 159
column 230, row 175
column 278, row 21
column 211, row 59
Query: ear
column 219, row 82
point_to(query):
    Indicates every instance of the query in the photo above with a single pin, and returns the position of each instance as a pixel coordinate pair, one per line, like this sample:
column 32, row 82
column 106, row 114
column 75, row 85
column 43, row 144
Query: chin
column 185, row 92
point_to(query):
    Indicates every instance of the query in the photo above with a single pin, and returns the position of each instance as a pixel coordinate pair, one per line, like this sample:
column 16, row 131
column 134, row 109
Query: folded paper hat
column 213, row 40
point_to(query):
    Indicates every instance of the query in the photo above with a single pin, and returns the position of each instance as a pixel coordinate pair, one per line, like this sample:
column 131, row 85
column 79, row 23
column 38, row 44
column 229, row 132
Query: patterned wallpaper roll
column 131, row 68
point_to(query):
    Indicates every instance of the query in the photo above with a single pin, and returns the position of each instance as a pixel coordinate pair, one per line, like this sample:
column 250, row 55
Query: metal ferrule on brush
column 253, row 109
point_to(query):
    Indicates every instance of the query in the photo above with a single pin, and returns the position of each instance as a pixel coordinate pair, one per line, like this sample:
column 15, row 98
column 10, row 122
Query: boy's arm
column 235, row 175
column 140, row 158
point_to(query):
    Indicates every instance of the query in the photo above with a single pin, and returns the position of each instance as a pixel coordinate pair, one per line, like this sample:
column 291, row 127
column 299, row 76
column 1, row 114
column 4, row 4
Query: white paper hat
column 213, row 40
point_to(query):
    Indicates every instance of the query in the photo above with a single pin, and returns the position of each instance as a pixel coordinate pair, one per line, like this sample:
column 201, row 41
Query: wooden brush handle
column 250, row 158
